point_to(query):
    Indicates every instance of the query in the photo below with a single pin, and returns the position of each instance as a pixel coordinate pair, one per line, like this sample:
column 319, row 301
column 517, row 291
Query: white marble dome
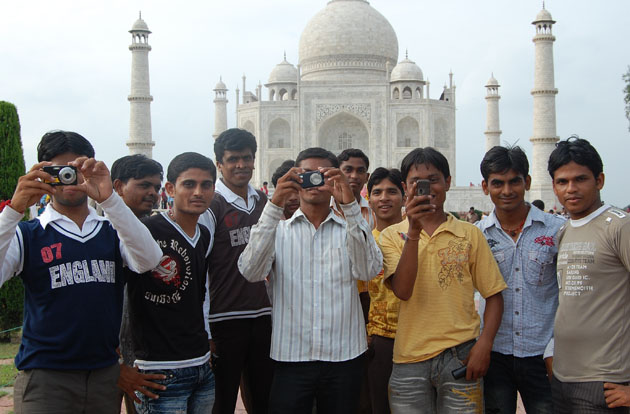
column 492, row 81
column 543, row 16
column 407, row 70
column 345, row 39
column 284, row 72
column 220, row 85
column 140, row 26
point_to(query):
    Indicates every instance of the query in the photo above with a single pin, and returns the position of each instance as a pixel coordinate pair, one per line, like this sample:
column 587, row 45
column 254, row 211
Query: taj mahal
column 350, row 90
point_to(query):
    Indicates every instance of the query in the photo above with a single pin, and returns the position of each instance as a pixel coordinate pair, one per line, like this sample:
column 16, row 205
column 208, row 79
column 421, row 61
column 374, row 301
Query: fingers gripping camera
column 312, row 179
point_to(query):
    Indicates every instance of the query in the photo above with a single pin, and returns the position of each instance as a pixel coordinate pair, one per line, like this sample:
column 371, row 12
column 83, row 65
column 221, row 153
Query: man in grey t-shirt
column 592, row 328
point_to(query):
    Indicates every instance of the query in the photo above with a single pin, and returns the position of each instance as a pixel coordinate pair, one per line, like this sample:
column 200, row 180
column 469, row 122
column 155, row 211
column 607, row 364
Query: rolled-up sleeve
column 138, row 249
column 256, row 260
column 366, row 259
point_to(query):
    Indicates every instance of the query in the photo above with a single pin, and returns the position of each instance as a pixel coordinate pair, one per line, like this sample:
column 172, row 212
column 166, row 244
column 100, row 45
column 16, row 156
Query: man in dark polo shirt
column 240, row 312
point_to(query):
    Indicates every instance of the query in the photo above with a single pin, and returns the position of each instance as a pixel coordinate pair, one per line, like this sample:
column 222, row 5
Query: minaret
column 220, row 108
column 493, row 131
column 544, row 137
column 140, row 136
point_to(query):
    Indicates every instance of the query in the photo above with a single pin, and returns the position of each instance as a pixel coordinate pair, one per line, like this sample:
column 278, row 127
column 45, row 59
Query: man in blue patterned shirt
column 522, row 241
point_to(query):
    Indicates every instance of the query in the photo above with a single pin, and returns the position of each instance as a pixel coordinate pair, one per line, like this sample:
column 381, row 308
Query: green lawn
column 7, row 375
column 8, row 350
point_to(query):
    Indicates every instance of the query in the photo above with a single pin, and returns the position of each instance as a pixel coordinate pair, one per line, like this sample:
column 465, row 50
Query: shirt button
column 518, row 289
column 516, row 312
column 517, row 333
column 517, row 269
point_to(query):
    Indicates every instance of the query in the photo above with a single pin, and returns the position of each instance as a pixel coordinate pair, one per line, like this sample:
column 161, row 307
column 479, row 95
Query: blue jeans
column 508, row 374
column 188, row 391
column 429, row 387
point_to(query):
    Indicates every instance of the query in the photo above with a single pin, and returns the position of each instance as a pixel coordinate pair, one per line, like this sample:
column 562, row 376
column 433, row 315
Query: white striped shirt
column 316, row 312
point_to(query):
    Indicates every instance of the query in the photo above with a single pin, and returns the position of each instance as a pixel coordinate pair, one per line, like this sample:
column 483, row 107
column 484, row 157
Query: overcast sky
column 66, row 65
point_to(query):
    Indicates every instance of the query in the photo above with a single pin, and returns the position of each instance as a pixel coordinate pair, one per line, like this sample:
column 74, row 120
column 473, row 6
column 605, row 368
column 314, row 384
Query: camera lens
column 316, row 179
column 67, row 175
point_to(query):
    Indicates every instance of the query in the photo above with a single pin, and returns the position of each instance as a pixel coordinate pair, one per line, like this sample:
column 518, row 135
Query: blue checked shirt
column 529, row 269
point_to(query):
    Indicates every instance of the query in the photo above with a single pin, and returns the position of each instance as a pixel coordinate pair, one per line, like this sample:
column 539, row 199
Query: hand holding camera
column 289, row 183
column 96, row 181
column 337, row 184
column 418, row 205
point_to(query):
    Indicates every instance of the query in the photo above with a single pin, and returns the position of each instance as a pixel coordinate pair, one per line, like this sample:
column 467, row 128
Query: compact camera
column 312, row 179
column 423, row 187
column 61, row 174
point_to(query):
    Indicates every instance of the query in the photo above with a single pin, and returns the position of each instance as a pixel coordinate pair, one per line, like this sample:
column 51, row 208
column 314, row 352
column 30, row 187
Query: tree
column 11, row 155
column 11, row 168
column 626, row 93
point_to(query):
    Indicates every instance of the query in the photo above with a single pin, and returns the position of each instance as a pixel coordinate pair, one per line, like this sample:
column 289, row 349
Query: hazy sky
column 66, row 65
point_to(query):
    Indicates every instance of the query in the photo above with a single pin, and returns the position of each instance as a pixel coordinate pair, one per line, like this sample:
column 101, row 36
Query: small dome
column 407, row 71
column 544, row 16
column 492, row 81
column 284, row 72
column 140, row 26
column 220, row 85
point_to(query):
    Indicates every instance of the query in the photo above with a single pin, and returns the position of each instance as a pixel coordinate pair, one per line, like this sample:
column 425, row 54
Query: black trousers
column 334, row 386
column 242, row 347
column 378, row 372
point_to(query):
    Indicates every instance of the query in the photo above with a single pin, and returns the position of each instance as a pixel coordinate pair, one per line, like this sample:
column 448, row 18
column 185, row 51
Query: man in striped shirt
column 314, row 260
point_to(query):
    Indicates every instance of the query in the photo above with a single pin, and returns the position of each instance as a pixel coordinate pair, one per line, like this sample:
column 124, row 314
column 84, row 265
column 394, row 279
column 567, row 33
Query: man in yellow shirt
column 434, row 263
column 386, row 201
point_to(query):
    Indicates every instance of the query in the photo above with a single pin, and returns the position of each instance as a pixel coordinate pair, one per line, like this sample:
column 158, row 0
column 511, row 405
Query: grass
column 7, row 375
column 8, row 350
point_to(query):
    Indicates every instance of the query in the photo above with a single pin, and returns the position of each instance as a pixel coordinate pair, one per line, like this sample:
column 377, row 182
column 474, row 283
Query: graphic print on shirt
column 575, row 257
column 452, row 259
column 172, row 276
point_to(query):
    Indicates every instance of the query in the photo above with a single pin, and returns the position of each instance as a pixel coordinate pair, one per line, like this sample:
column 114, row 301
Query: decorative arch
column 273, row 166
column 283, row 95
column 419, row 92
column 293, row 94
column 342, row 131
column 249, row 126
column 279, row 134
column 272, row 94
column 396, row 94
column 408, row 132
column 406, row 93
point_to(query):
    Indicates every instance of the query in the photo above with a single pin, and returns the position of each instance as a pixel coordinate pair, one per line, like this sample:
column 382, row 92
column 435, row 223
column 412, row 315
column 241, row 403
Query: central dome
column 348, row 38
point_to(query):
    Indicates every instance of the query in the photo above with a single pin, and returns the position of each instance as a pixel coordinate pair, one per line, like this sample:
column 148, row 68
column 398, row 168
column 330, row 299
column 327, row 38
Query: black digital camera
column 312, row 179
column 62, row 174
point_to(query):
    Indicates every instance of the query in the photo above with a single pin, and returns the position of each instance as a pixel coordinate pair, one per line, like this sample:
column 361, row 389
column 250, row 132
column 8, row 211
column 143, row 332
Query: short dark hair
column 381, row 174
column 234, row 139
column 189, row 160
column 317, row 152
column 59, row 142
column 135, row 166
column 539, row 204
column 426, row 155
column 499, row 160
column 577, row 150
column 281, row 171
column 353, row 153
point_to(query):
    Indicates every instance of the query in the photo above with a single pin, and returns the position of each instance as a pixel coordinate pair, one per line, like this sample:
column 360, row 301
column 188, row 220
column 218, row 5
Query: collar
column 452, row 225
column 51, row 215
column 331, row 216
column 229, row 195
column 534, row 214
column 585, row 220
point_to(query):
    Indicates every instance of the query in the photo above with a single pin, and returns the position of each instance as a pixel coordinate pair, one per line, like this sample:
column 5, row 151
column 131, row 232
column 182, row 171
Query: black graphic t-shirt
column 166, row 304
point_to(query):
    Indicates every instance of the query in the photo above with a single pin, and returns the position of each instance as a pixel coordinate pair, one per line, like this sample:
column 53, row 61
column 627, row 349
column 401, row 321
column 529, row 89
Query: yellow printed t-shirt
column 384, row 305
column 441, row 313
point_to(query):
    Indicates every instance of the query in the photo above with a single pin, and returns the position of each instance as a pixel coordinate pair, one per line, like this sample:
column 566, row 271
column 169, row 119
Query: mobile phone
column 423, row 187
column 459, row 372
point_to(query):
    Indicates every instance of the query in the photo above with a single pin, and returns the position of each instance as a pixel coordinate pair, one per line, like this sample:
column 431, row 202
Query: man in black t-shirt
column 166, row 304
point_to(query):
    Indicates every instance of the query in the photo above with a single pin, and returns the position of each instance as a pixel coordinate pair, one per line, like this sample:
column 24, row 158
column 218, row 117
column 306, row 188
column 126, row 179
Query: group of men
column 316, row 299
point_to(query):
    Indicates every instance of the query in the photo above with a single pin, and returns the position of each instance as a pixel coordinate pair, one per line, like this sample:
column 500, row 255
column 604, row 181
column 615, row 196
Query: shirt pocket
column 500, row 258
column 539, row 268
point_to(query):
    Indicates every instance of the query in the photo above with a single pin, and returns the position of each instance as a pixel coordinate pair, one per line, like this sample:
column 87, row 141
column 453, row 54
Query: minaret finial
column 543, row 4
column 407, row 54
column 140, row 14
column 285, row 55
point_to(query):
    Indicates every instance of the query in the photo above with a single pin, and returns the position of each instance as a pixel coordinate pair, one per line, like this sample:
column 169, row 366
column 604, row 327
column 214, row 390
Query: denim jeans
column 188, row 391
column 507, row 375
column 429, row 386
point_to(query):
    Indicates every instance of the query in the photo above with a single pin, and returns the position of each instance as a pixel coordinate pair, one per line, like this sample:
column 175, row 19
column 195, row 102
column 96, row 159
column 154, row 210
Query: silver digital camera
column 61, row 174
